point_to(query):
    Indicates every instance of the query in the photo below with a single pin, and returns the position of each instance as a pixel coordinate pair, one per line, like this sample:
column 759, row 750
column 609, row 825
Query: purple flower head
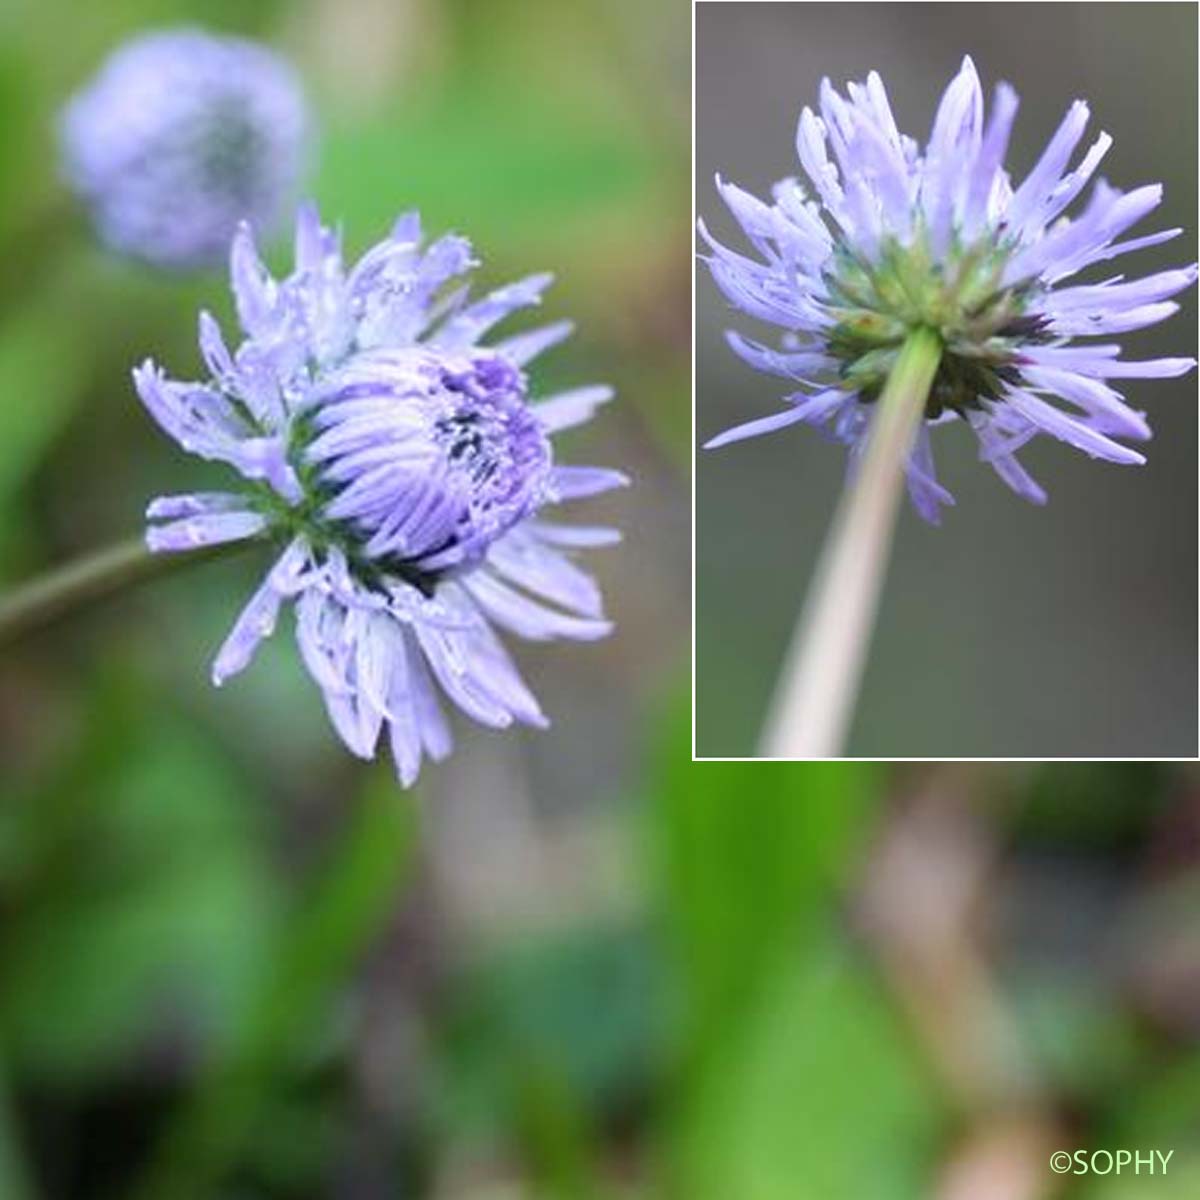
column 180, row 136
column 464, row 428
column 404, row 470
column 895, row 239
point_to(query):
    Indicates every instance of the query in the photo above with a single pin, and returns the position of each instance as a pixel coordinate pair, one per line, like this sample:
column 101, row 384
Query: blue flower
column 405, row 472
column 896, row 239
column 180, row 136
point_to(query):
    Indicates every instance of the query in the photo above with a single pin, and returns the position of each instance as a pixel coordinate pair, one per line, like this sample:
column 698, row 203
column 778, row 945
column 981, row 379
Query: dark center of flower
column 229, row 151
column 981, row 323
column 416, row 462
column 490, row 436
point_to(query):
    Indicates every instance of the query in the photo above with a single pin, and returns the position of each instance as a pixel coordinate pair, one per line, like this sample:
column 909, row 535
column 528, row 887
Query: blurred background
column 1068, row 631
column 217, row 930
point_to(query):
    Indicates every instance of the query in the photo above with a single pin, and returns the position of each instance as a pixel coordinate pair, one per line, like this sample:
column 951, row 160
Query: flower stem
column 65, row 589
column 814, row 698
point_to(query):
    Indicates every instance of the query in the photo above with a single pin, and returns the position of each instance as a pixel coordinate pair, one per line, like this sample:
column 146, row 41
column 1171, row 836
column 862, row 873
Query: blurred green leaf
column 1093, row 804
column 498, row 179
column 15, row 131
column 815, row 1093
column 750, row 858
column 14, row 1176
column 331, row 929
column 555, row 1134
column 577, row 1012
column 1157, row 1111
column 39, row 384
column 793, row 1079
column 1084, row 1040
column 141, row 852
column 1181, row 1181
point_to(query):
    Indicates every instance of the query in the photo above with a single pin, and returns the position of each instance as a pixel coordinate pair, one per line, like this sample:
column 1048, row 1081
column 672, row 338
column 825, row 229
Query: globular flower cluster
column 405, row 471
column 181, row 135
column 897, row 239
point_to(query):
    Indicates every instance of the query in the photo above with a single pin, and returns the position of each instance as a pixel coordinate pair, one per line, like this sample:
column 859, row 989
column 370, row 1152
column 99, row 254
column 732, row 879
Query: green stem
column 814, row 698
column 66, row 589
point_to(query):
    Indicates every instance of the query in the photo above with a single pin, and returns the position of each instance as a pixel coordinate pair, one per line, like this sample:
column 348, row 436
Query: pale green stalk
column 84, row 581
column 815, row 694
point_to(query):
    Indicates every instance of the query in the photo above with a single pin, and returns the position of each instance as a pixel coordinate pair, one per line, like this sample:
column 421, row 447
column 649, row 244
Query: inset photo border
column 945, row 498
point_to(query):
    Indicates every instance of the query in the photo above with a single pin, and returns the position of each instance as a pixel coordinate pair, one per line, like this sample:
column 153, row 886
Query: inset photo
column 946, row 473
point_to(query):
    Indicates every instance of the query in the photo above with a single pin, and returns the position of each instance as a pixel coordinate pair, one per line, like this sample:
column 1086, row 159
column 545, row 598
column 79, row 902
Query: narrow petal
column 1041, row 181
column 319, row 621
column 189, row 505
column 404, row 733
column 1121, row 321
column 1071, row 245
column 1093, row 397
column 1017, row 478
column 199, row 419
column 739, row 433
column 798, row 365
column 448, row 660
column 407, row 229
column 574, row 536
column 1069, row 429
column 1103, row 298
column 495, row 675
column 988, row 161
column 761, row 296
column 469, row 325
column 886, row 174
column 813, row 409
column 213, row 348
column 801, row 234
column 267, row 459
column 756, row 218
column 310, row 241
column 995, row 448
column 928, row 496
column 568, row 409
column 204, row 529
column 256, row 623
column 574, row 483
column 1118, row 248
column 1100, row 362
column 431, row 721
column 810, row 148
column 953, row 140
column 525, row 617
column 525, row 347
column 536, row 568
column 1153, row 368
column 254, row 291
column 344, row 716
column 1074, row 182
